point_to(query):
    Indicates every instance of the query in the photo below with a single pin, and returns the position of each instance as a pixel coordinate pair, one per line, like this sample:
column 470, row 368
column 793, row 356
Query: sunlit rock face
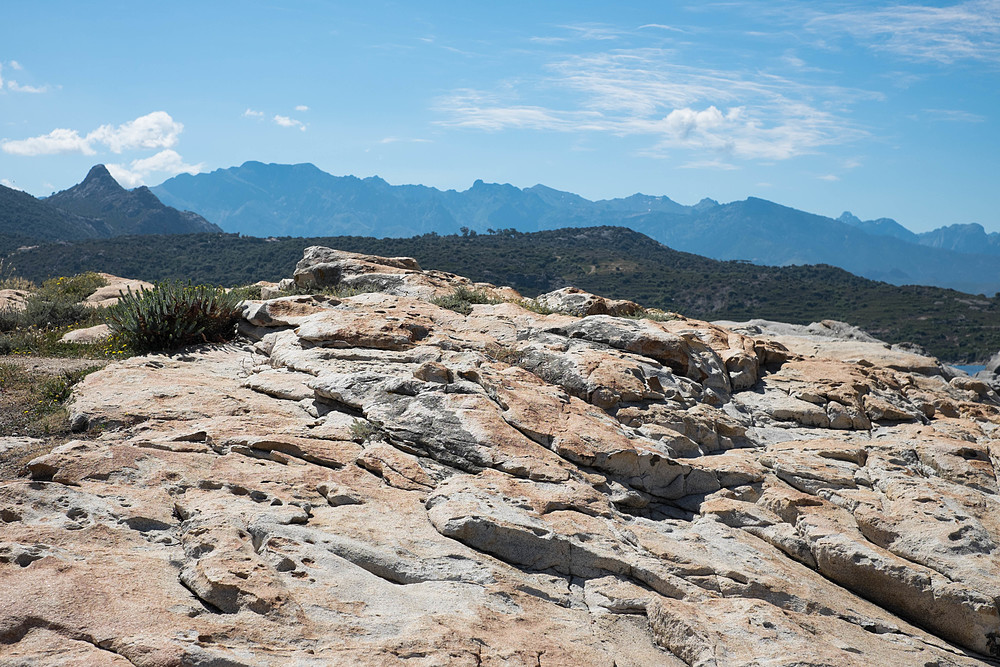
column 376, row 480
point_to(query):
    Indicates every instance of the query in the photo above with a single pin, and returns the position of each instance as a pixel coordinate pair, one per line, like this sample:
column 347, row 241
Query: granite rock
column 375, row 480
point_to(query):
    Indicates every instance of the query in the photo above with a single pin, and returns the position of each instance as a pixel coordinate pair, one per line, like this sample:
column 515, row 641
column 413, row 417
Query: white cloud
column 954, row 115
column 251, row 113
column 166, row 163
column 302, row 107
column 60, row 140
column 963, row 31
column 828, row 177
column 285, row 121
column 18, row 88
column 593, row 31
column 154, row 130
column 640, row 92
column 6, row 182
column 661, row 26
column 709, row 164
column 400, row 140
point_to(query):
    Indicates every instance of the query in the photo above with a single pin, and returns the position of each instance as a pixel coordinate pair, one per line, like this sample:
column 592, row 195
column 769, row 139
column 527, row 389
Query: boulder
column 116, row 286
column 88, row 335
column 575, row 301
column 13, row 299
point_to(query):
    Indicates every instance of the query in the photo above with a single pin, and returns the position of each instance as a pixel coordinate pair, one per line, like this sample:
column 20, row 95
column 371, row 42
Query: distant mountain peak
column 850, row 219
column 98, row 171
column 99, row 176
column 98, row 183
column 120, row 211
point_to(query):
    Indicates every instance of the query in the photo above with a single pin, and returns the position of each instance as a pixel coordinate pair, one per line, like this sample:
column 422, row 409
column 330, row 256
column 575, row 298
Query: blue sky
column 884, row 109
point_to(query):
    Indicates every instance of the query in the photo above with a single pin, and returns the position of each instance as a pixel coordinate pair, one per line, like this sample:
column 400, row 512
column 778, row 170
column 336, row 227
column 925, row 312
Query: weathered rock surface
column 830, row 339
column 575, row 301
column 373, row 480
column 115, row 287
column 13, row 299
column 88, row 335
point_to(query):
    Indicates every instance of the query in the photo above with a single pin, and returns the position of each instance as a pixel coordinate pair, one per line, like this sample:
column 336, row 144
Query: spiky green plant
column 174, row 314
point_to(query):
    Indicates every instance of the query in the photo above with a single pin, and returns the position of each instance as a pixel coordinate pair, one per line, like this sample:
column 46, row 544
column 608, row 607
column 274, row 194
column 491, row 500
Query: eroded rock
column 377, row 480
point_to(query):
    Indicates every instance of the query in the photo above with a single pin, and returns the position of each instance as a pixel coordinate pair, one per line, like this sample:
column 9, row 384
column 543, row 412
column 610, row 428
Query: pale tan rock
column 87, row 336
column 13, row 299
column 575, row 301
column 376, row 480
column 116, row 286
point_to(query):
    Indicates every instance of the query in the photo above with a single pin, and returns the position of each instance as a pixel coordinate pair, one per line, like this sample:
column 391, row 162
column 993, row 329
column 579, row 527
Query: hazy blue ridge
column 301, row 200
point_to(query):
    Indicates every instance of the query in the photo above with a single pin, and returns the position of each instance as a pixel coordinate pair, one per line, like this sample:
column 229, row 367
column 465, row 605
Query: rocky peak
column 849, row 218
column 123, row 211
column 372, row 478
column 99, row 183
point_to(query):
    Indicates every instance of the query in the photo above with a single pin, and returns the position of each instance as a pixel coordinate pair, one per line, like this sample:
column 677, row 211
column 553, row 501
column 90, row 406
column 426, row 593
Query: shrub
column 55, row 305
column 654, row 314
column 536, row 306
column 462, row 299
column 9, row 281
column 74, row 288
column 362, row 430
column 44, row 314
column 10, row 318
column 173, row 315
column 506, row 354
column 245, row 292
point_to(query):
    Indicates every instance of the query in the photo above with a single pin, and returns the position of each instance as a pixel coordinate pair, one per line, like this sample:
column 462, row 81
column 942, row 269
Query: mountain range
column 98, row 207
column 301, row 200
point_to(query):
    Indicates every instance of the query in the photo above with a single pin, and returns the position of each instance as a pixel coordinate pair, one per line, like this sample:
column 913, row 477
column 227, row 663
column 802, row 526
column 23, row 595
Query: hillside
column 619, row 263
column 22, row 217
column 301, row 200
column 138, row 211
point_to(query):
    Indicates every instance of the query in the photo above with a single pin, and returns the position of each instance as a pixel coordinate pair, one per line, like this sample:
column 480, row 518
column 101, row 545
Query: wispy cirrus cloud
column 961, row 31
column 154, row 130
column 641, row 92
column 401, row 140
column 954, row 115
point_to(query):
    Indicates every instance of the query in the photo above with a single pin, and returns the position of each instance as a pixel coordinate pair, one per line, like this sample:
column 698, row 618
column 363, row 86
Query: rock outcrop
column 373, row 480
column 13, row 299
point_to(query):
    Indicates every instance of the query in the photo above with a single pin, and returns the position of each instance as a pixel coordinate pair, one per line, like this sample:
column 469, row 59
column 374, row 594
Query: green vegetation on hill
column 611, row 261
column 24, row 217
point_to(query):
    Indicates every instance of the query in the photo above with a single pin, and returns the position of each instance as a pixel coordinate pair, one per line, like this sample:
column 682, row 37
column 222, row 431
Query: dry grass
column 33, row 417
